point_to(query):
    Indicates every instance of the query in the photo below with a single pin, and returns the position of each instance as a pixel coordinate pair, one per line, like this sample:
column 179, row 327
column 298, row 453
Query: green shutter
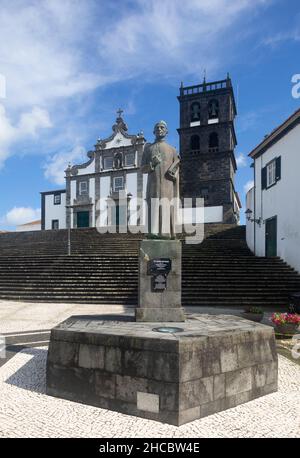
column 278, row 168
column 264, row 178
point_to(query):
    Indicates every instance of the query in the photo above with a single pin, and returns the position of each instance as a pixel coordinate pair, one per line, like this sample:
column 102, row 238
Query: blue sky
column 68, row 66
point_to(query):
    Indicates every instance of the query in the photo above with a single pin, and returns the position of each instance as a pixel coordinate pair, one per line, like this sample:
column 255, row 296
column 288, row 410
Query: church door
column 83, row 219
column 271, row 237
column 120, row 216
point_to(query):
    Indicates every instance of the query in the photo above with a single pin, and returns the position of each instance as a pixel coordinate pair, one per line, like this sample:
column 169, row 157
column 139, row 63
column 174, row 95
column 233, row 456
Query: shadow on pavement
column 32, row 375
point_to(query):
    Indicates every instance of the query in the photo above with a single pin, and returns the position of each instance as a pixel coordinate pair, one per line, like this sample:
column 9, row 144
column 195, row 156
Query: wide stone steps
column 104, row 269
column 126, row 300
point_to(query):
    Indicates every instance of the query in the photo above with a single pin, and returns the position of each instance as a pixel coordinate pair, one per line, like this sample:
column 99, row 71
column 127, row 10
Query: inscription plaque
column 159, row 283
column 159, row 266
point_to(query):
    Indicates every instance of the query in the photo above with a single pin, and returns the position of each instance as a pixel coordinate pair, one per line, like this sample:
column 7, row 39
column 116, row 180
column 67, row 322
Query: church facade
column 112, row 174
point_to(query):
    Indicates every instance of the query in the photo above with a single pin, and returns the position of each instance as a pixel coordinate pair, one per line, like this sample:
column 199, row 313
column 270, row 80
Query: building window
column 213, row 141
column 83, row 187
column 213, row 109
column 195, row 142
column 130, row 159
column 118, row 184
column 195, row 112
column 55, row 224
column 271, row 173
column 57, row 199
column 108, row 163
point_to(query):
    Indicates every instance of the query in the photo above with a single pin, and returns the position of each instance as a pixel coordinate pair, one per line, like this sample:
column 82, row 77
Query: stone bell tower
column 207, row 142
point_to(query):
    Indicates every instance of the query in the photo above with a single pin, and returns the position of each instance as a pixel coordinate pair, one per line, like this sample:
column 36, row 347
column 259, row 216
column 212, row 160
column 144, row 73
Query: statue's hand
column 171, row 175
column 156, row 160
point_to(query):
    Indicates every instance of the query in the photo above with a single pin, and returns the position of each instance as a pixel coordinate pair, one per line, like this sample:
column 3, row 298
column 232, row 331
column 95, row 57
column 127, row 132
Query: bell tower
column 207, row 141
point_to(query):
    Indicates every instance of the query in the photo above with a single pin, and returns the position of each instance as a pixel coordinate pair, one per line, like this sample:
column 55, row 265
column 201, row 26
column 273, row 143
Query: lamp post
column 248, row 214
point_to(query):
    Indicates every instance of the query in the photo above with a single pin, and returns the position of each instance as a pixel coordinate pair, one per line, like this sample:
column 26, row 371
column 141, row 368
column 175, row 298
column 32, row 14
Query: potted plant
column 253, row 314
column 286, row 323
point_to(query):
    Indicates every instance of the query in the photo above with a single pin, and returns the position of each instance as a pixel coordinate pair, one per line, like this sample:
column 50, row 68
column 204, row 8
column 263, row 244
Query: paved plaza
column 26, row 411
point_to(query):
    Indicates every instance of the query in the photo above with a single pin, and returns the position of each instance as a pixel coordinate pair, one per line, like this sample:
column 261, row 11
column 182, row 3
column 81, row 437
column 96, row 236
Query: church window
column 130, row 159
column 118, row 184
column 108, row 163
column 83, row 187
column 195, row 112
column 213, row 140
column 57, row 199
column 213, row 110
column 195, row 142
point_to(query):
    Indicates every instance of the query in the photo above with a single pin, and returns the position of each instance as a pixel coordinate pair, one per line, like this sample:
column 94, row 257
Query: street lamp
column 248, row 214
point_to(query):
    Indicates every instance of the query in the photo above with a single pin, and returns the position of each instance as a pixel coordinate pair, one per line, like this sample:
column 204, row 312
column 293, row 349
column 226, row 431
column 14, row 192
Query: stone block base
column 215, row 363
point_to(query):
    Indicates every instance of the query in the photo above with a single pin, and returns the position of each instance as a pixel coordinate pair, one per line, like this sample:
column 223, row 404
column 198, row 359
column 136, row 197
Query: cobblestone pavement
column 26, row 411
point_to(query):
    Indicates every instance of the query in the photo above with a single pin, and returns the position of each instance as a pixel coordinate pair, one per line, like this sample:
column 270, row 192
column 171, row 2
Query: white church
column 112, row 172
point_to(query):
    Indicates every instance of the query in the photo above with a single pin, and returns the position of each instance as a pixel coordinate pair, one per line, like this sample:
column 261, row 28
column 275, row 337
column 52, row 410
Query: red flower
column 284, row 318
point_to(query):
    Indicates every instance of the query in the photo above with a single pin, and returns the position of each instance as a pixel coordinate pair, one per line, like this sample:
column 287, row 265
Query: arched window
column 213, row 109
column 195, row 112
column 213, row 140
column 195, row 142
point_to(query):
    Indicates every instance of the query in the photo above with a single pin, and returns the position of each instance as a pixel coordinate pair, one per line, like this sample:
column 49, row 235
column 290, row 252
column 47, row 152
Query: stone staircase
column 221, row 271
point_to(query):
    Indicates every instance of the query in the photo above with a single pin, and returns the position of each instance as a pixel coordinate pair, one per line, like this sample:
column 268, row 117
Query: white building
column 273, row 210
column 109, row 189
column 112, row 174
column 53, row 209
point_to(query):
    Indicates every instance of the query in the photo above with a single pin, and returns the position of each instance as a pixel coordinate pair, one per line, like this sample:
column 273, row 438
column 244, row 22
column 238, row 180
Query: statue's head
column 160, row 130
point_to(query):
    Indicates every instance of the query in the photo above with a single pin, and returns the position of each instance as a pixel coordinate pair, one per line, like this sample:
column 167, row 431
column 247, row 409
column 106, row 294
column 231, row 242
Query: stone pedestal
column 214, row 363
column 160, row 281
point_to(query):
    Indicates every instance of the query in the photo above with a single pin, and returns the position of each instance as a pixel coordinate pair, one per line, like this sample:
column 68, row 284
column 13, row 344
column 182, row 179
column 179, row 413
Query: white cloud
column 40, row 46
column 34, row 120
column 54, row 52
column 169, row 38
column 29, row 124
column 53, row 49
column 281, row 37
column 21, row 215
column 241, row 160
column 248, row 186
column 2, row 87
column 54, row 169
